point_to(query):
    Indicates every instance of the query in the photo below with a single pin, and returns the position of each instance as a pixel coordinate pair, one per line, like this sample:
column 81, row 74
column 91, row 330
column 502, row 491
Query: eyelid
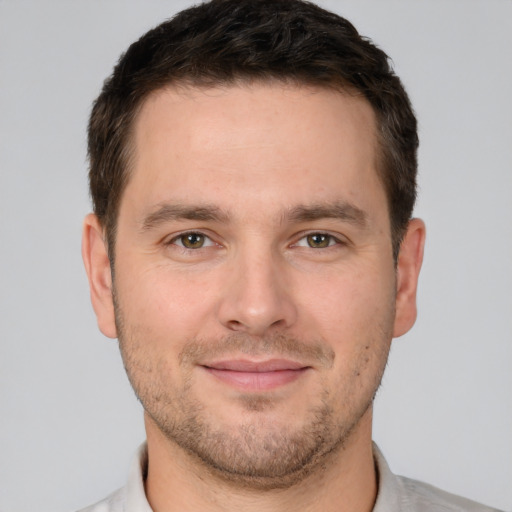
column 209, row 242
column 338, row 239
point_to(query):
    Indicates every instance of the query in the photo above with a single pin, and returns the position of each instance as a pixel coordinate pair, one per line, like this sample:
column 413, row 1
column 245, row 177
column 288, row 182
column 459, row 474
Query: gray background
column 68, row 420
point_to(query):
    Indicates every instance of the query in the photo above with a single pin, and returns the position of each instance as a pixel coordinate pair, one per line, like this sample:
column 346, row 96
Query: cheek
column 354, row 314
column 351, row 301
column 167, row 306
column 158, row 313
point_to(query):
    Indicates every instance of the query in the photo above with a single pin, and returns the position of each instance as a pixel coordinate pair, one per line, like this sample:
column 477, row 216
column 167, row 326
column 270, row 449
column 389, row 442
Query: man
column 253, row 174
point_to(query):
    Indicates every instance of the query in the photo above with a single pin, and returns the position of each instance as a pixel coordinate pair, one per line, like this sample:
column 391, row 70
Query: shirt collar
column 136, row 500
column 390, row 488
column 388, row 494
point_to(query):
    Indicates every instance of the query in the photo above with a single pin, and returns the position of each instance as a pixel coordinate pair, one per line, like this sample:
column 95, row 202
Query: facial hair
column 256, row 452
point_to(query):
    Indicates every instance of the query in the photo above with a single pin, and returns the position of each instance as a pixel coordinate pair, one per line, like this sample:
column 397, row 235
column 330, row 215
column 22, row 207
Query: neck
column 344, row 482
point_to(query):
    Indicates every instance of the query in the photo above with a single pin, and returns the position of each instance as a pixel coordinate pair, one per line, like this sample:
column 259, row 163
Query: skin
column 288, row 269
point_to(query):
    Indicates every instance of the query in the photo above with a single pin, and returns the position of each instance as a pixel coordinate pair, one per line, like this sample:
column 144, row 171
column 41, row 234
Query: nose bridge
column 256, row 297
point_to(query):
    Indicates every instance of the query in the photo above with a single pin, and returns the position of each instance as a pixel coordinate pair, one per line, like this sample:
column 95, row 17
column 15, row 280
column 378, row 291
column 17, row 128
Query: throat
column 343, row 479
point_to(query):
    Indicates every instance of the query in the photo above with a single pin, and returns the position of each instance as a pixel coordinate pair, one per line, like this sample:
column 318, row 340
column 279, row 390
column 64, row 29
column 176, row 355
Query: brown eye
column 192, row 240
column 318, row 240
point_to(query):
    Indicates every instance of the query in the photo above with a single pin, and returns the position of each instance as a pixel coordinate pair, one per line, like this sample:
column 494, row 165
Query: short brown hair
column 223, row 42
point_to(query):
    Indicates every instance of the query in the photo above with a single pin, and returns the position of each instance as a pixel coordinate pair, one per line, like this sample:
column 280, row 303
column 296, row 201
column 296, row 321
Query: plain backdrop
column 69, row 422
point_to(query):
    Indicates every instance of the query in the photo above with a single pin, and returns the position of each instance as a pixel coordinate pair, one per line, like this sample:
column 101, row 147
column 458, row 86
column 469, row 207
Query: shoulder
column 115, row 502
column 424, row 498
column 401, row 494
column 131, row 497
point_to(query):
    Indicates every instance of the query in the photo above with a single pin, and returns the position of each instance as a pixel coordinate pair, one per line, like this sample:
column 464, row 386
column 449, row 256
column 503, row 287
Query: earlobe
column 97, row 266
column 408, row 268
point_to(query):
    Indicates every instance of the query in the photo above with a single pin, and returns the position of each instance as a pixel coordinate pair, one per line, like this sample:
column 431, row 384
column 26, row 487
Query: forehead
column 253, row 109
column 284, row 139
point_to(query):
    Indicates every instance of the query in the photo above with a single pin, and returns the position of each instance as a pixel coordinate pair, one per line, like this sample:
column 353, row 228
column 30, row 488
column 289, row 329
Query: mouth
column 249, row 375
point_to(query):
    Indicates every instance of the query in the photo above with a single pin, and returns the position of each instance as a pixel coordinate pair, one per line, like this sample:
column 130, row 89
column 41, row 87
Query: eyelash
column 181, row 236
column 331, row 240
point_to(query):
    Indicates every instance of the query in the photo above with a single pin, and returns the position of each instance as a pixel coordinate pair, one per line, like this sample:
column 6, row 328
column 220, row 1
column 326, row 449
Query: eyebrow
column 171, row 212
column 341, row 210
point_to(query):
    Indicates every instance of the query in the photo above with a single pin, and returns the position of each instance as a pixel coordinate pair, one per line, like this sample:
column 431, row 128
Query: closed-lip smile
column 252, row 375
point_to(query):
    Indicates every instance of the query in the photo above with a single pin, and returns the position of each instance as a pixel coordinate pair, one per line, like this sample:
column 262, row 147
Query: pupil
column 193, row 240
column 318, row 240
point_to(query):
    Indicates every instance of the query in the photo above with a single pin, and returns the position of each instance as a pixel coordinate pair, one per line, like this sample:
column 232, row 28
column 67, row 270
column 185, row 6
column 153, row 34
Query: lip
column 256, row 375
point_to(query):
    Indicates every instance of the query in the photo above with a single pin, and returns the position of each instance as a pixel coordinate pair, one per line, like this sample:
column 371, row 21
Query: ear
column 97, row 266
column 408, row 269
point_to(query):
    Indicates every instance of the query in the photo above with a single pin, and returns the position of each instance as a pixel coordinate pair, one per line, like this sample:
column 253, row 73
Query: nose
column 257, row 298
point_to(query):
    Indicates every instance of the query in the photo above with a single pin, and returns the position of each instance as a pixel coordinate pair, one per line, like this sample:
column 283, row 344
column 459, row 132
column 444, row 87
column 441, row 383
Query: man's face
column 255, row 289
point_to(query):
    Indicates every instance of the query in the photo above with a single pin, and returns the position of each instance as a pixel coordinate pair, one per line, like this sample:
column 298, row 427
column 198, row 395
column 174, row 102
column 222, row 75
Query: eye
column 192, row 240
column 317, row 241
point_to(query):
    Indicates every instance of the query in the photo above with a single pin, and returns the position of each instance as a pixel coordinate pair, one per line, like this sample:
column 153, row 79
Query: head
column 253, row 176
column 225, row 42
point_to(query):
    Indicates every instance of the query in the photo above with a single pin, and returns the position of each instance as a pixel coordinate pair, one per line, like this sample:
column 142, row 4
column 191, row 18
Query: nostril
column 235, row 325
column 279, row 323
column 254, row 303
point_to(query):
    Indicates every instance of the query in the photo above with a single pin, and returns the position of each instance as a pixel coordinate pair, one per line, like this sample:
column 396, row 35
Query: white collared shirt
column 395, row 494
